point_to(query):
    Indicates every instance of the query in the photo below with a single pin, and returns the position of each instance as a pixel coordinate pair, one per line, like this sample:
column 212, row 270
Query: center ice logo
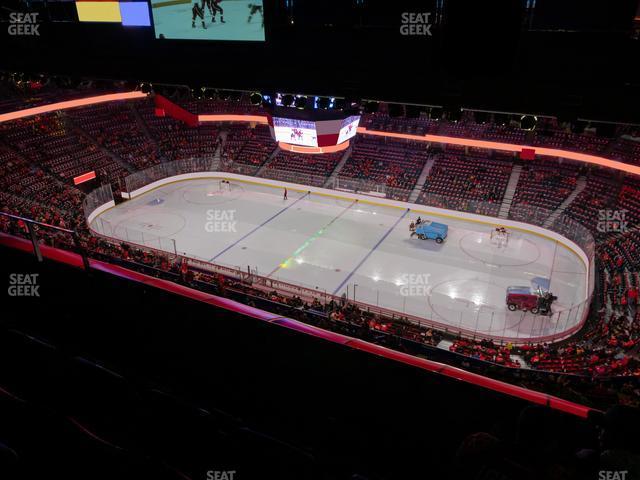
column 220, row 221
column 414, row 284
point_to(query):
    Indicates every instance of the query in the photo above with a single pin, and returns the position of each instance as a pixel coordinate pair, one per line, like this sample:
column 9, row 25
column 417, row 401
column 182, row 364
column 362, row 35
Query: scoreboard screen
column 314, row 133
column 236, row 20
column 348, row 128
column 297, row 132
column 310, row 126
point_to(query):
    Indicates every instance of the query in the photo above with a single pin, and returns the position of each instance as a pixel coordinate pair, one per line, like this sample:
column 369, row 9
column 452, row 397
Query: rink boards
column 344, row 243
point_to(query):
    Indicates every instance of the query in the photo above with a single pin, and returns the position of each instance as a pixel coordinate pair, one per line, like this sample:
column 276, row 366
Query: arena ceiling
column 494, row 55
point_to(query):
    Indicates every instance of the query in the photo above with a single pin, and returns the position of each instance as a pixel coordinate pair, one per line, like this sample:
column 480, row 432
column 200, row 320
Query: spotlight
column 528, row 122
column 287, row 100
column 146, row 88
column 255, row 98
column 267, row 99
column 224, row 94
column 323, row 103
column 300, row 101
column 208, row 93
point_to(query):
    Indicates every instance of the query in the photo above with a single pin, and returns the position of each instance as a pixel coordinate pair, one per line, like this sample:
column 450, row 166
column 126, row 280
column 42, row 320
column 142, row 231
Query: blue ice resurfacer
column 427, row 230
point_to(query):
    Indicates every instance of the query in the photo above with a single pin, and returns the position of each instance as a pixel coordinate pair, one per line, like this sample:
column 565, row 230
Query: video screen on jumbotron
column 297, row 132
column 234, row 20
column 348, row 128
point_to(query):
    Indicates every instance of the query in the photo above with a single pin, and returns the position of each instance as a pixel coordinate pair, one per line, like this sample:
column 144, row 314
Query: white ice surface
column 334, row 245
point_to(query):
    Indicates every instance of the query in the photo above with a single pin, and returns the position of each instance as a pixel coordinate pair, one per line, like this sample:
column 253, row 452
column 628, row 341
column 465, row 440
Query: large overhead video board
column 231, row 20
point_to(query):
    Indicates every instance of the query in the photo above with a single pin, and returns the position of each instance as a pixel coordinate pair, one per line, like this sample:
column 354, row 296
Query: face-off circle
column 517, row 253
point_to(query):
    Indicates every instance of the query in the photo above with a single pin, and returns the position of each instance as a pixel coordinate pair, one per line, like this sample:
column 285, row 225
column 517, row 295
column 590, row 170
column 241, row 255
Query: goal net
column 217, row 187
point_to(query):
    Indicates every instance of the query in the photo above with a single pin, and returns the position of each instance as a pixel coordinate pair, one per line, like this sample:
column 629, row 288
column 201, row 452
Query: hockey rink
column 338, row 246
column 173, row 20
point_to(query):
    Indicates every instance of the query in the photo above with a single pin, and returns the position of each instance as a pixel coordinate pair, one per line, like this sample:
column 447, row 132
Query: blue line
column 258, row 227
column 370, row 252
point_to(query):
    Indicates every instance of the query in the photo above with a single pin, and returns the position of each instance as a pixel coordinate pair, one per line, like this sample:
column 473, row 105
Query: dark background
column 566, row 55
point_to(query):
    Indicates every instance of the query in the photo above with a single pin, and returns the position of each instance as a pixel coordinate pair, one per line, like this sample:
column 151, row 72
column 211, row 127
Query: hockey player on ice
column 197, row 11
column 253, row 9
column 214, row 7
